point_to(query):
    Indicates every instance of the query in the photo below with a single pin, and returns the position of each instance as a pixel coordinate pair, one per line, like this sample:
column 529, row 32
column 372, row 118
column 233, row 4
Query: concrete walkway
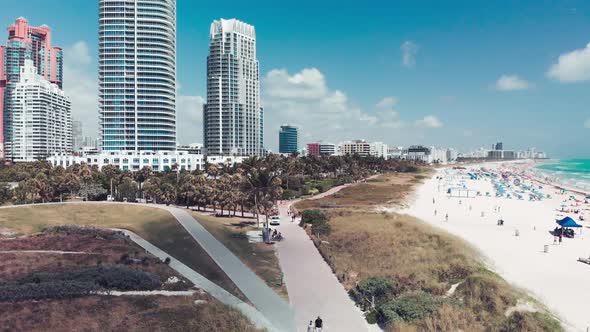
column 313, row 288
column 269, row 303
column 203, row 283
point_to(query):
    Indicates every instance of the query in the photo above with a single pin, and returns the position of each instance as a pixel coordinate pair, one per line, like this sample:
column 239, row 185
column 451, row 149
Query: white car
column 275, row 221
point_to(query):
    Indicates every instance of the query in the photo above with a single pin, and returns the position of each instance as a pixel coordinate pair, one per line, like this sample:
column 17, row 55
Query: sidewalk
column 203, row 283
column 313, row 288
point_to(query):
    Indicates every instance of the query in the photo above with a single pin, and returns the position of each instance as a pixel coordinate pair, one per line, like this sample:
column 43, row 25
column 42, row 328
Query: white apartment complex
column 233, row 118
column 135, row 160
column 41, row 118
column 363, row 148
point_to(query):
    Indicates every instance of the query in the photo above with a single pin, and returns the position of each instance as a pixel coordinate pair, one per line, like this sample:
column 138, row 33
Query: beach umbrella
column 568, row 222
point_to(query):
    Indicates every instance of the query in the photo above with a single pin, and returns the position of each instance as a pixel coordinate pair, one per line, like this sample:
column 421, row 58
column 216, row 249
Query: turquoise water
column 571, row 172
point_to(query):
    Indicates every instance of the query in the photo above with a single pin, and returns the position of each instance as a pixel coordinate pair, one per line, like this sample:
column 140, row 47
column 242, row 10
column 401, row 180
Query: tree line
column 253, row 185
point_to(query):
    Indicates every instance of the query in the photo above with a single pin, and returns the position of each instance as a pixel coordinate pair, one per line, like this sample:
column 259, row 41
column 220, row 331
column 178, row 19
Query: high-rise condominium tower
column 25, row 43
column 137, row 74
column 232, row 118
column 40, row 117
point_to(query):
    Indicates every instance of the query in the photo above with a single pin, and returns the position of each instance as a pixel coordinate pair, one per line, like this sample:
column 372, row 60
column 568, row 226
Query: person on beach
column 318, row 324
column 310, row 327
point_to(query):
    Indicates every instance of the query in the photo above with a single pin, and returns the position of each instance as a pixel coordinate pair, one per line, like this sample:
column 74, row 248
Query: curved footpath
column 270, row 304
column 313, row 288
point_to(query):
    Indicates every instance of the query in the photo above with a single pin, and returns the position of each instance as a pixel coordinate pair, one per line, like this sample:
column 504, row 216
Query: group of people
column 560, row 232
column 276, row 236
column 292, row 214
column 316, row 326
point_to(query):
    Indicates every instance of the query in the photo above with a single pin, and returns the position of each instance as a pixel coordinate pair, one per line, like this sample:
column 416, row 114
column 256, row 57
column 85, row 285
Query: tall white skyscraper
column 233, row 118
column 137, row 74
column 41, row 118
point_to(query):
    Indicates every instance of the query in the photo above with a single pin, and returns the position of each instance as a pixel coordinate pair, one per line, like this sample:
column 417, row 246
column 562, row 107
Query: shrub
column 379, row 287
column 313, row 217
column 288, row 194
column 408, row 307
column 167, row 261
column 108, row 277
column 321, row 229
column 46, row 290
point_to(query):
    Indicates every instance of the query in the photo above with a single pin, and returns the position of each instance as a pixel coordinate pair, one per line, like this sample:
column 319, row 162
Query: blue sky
column 339, row 72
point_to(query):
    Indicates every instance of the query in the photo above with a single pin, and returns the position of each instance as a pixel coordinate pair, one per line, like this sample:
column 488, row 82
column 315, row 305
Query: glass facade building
column 232, row 117
column 137, row 75
column 288, row 139
column 25, row 43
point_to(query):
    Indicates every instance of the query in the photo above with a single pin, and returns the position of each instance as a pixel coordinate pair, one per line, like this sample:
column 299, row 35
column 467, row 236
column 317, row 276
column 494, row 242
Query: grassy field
column 259, row 257
column 101, row 313
column 155, row 225
column 129, row 313
column 386, row 189
column 410, row 266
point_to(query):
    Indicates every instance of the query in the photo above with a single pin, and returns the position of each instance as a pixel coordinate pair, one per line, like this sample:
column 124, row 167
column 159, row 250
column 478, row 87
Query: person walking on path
column 318, row 324
column 311, row 327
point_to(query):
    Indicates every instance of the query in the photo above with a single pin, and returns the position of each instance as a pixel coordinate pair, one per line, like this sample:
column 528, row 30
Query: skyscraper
column 288, row 139
column 25, row 43
column 233, row 118
column 40, row 117
column 137, row 74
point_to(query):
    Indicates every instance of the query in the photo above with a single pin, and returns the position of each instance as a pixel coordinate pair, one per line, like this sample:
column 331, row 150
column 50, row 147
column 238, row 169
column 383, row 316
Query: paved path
column 203, row 283
column 313, row 288
column 269, row 303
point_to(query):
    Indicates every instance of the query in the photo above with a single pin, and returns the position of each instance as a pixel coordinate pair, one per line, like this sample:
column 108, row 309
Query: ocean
column 569, row 172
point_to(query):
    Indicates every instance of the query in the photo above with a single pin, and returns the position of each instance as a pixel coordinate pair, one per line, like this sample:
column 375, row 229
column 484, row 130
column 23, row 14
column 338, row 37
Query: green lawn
column 259, row 257
column 155, row 225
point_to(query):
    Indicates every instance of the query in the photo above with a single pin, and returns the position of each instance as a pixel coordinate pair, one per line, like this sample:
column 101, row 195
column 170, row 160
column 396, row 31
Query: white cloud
column 189, row 119
column 387, row 102
column 429, row 121
column 587, row 124
column 573, row 66
column 409, row 50
column 304, row 99
column 307, row 84
column 80, row 84
column 511, row 83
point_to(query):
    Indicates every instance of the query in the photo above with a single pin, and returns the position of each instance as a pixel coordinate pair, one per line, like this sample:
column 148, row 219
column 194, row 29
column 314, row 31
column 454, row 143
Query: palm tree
column 265, row 188
column 168, row 193
column 152, row 188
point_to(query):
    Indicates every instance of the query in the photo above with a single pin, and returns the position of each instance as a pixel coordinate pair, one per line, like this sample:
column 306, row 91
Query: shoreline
column 516, row 250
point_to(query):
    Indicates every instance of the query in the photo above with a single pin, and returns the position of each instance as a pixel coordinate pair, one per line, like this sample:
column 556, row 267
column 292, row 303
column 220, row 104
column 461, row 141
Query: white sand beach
column 555, row 278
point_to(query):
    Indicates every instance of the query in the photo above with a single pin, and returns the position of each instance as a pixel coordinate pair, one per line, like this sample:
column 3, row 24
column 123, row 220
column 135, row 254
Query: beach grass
column 365, row 243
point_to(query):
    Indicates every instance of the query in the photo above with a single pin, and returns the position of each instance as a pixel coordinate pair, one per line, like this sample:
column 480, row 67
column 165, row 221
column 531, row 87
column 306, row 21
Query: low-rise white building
column 134, row 161
column 363, row 148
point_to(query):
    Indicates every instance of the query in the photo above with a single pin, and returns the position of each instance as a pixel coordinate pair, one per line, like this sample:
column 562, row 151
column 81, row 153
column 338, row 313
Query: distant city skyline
column 426, row 73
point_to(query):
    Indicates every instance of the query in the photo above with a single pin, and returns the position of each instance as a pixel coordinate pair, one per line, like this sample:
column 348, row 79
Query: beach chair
column 584, row 260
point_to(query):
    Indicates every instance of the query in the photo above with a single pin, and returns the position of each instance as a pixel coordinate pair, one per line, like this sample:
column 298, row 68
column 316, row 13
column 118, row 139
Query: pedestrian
column 435, row 212
column 447, row 217
column 560, row 237
column 318, row 324
column 432, row 200
column 310, row 327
